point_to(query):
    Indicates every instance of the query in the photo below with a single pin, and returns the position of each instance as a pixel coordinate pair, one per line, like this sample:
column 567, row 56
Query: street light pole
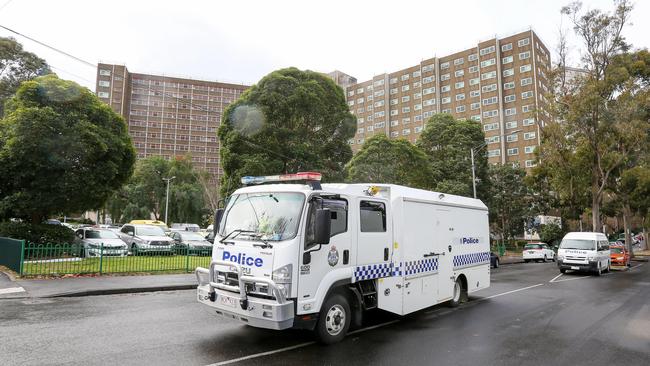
column 473, row 173
column 167, row 196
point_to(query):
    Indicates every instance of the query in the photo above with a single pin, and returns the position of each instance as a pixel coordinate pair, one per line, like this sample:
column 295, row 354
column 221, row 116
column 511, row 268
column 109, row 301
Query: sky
column 241, row 41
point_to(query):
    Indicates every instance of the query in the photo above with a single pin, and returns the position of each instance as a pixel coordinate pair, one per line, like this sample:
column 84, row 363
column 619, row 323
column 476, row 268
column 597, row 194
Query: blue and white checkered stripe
column 429, row 265
column 372, row 271
column 471, row 259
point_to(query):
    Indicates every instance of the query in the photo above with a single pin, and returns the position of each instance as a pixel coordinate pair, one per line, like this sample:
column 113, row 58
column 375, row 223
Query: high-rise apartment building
column 499, row 82
column 169, row 116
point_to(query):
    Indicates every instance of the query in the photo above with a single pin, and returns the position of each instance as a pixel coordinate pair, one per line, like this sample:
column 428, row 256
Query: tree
column 16, row 66
column 290, row 121
column 508, row 200
column 61, row 150
column 551, row 233
column 635, row 187
column 448, row 142
column 596, row 130
column 383, row 160
column 145, row 193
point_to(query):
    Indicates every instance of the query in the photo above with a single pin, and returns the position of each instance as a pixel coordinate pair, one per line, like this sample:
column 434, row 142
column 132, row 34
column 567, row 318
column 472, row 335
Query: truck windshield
column 268, row 216
column 582, row 244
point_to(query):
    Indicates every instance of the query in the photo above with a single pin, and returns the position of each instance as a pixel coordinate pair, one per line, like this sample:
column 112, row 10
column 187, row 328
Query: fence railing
column 73, row 259
column 11, row 253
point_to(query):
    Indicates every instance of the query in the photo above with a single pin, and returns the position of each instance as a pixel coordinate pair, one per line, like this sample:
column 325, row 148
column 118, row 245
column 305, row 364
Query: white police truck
column 315, row 256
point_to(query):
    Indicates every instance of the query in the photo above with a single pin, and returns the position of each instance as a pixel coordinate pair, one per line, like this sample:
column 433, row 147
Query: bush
column 37, row 233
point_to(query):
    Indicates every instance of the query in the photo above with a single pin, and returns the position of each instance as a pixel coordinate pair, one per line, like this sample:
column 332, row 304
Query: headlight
column 560, row 257
column 285, row 289
column 283, row 274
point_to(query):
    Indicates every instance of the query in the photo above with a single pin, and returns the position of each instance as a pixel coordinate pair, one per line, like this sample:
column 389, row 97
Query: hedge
column 37, row 233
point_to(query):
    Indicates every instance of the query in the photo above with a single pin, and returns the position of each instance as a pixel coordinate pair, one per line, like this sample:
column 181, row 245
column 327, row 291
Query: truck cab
column 317, row 256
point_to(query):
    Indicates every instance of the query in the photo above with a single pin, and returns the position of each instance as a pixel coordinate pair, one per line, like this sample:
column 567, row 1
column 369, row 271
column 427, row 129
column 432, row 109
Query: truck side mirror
column 323, row 226
column 218, row 215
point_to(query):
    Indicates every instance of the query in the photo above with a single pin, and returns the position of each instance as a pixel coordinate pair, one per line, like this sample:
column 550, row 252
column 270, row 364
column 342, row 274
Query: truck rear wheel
column 459, row 294
column 334, row 320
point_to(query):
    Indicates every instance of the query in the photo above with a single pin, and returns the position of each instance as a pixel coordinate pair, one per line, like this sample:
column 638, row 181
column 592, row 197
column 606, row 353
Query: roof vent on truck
column 311, row 178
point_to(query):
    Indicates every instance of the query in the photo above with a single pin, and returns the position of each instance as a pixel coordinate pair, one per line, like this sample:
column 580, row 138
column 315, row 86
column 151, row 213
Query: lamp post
column 167, row 195
column 476, row 149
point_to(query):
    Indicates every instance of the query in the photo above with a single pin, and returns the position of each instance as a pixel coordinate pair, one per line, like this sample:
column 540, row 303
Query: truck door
column 444, row 246
column 374, row 235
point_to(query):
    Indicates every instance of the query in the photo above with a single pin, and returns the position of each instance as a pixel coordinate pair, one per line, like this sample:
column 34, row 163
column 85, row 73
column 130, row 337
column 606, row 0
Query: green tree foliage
column 61, row 150
column 384, row 160
column 290, row 121
column 145, row 192
column 448, row 142
column 16, row 66
column 508, row 200
column 551, row 234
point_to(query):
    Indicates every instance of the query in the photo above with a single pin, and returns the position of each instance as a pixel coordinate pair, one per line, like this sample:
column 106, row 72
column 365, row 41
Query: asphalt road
column 529, row 316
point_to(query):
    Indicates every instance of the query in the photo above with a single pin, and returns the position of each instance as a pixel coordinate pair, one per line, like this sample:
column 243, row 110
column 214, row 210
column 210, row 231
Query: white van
column 584, row 252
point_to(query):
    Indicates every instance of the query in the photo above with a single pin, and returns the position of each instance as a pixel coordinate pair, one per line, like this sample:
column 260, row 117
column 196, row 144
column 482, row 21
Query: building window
column 491, row 100
column 429, row 102
column 351, row 103
column 528, row 122
column 508, row 72
column 404, row 77
column 405, row 87
column 427, row 80
column 350, row 93
column 427, row 114
column 360, row 90
column 379, row 93
column 103, row 72
column 473, row 69
column 510, row 111
column 416, row 73
column 394, row 112
column 474, row 93
column 394, row 134
column 406, row 109
column 445, row 100
column 489, row 88
column 418, row 118
column 369, row 129
column 360, row 121
column 524, row 68
column 527, row 108
column 460, row 96
column 393, row 91
column 512, row 138
column 417, row 107
column 526, row 81
column 418, row 129
column 429, row 90
column 102, row 94
column 513, row 151
column 488, row 75
column 475, row 106
column 444, row 77
column 380, row 125
column 524, row 55
column 426, row 68
column 406, row 98
column 406, row 131
column 472, row 57
column 489, row 62
column 509, row 85
column 493, row 113
column 530, row 163
column 510, row 98
column 380, row 114
column 529, row 135
column 493, row 139
column 445, row 88
column 506, row 60
column 476, row 117
column 526, row 95
column 460, row 109
column 474, row 81
column 506, row 47
column 486, row 50
column 417, row 96
column 444, row 65
column 447, row 110
column 459, row 73
column 360, row 130
column 459, row 61
column 459, row 85
column 394, row 123
column 523, row 42
column 494, row 153
column 394, row 101
column 105, row 83
column 529, row 149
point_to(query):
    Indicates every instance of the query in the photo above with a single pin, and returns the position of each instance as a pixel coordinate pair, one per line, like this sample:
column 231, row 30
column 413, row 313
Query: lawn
column 141, row 263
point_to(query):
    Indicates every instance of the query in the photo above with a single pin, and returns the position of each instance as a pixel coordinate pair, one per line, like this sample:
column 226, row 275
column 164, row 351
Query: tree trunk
column 595, row 213
column 627, row 213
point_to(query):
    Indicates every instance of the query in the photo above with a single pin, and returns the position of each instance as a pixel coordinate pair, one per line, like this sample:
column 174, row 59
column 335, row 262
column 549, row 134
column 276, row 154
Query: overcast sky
column 241, row 41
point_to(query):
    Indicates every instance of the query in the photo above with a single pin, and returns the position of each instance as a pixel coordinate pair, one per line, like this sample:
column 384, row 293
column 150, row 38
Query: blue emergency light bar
column 306, row 176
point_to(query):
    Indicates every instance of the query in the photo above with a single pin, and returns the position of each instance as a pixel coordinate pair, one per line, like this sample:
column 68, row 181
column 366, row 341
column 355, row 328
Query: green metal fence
column 71, row 259
column 11, row 253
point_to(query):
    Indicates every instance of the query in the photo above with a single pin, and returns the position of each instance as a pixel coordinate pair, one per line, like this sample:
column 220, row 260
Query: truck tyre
column 459, row 294
column 562, row 270
column 334, row 320
column 609, row 267
column 599, row 270
column 544, row 260
column 496, row 263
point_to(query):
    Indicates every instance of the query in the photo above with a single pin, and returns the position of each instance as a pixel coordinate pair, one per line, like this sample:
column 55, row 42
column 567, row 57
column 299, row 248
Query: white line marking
column 510, row 292
column 302, row 345
column 11, row 290
column 638, row 265
column 556, row 277
column 575, row 278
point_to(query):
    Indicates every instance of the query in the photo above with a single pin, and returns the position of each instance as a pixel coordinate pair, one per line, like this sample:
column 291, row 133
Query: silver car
column 91, row 242
column 146, row 239
column 188, row 242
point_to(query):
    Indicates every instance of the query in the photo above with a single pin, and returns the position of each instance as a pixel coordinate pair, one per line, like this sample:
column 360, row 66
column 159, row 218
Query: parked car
column 91, row 242
column 618, row 255
column 186, row 227
column 191, row 243
column 494, row 260
column 538, row 252
column 146, row 239
column 160, row 224
column 53, row 222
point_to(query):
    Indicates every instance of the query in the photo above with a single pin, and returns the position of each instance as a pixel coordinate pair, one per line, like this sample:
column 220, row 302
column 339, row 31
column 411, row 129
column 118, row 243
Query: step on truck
column 311, row 256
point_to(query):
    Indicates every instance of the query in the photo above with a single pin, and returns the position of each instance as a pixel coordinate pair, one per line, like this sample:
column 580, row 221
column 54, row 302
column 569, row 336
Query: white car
column 538, row 252
column 93, row 242
column 146, row 239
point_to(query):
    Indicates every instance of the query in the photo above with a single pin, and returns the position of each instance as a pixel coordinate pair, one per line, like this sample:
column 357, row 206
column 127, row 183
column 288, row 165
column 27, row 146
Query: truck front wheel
column 334, row 320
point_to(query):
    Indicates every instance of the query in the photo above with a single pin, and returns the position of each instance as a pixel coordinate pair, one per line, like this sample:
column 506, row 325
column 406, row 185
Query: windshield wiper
column 258, row 236
column 238, row 231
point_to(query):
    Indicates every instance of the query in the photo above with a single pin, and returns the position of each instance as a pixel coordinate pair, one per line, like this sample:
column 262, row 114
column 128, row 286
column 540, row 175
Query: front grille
column 158, row 243
column 227, row 278
column 575, row 258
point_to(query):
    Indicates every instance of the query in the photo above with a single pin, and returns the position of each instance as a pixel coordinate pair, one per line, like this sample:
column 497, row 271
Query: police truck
column 290, row 252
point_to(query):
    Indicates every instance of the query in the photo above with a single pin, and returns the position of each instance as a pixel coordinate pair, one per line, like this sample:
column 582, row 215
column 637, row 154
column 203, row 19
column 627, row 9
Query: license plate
column 575, row 267
column 531, row 252
column 228, row 301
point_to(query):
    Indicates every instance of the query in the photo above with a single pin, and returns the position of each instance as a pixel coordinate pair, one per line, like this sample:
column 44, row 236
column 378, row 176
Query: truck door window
column 339, row 213
column 373, row 217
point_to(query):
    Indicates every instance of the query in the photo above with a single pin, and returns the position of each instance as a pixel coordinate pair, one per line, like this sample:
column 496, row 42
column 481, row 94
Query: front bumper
column 586, row 267
column 534, row 256
column 235, row 303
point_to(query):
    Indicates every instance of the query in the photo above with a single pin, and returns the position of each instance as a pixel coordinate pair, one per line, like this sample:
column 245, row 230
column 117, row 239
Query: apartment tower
column 499, row 83
column 169, row 116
